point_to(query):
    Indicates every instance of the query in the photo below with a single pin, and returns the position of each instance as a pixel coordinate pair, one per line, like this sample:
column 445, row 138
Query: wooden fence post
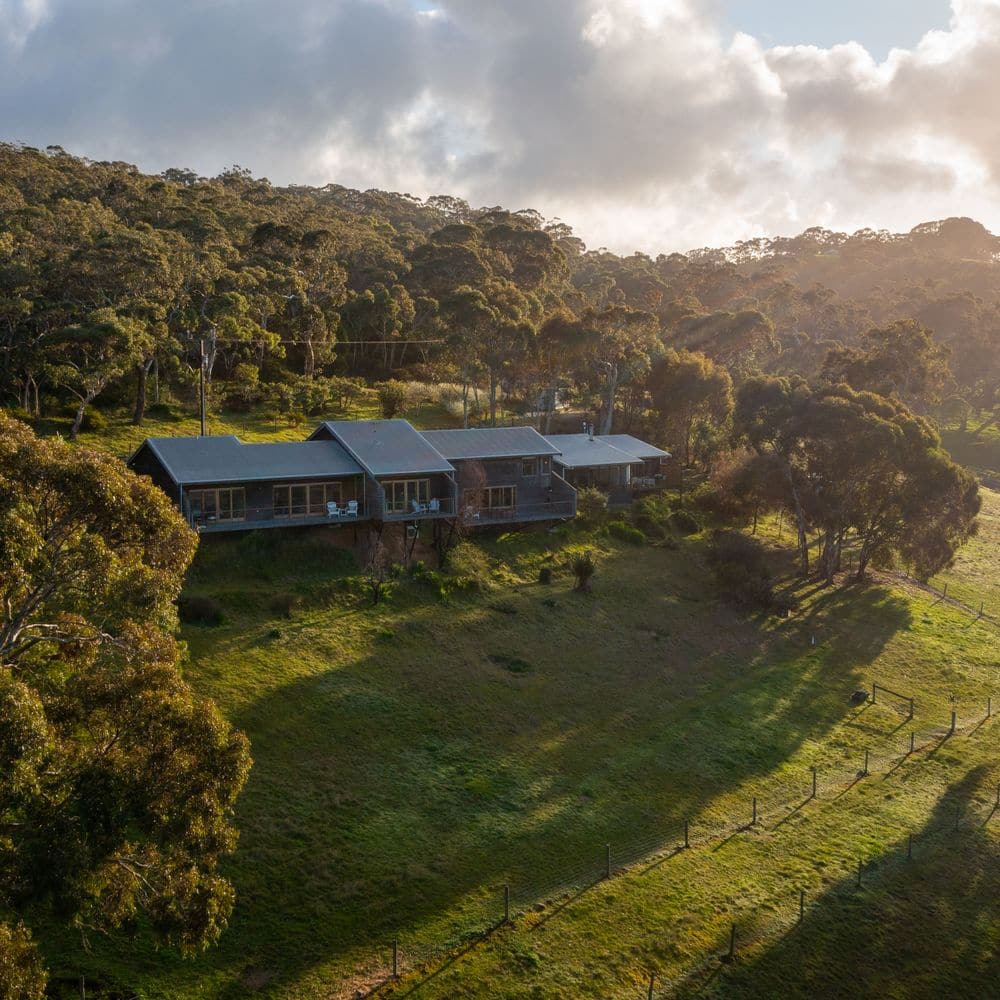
column 802, row 905
column 652, row 985
column 874, row 687
column 607, row 861
column 911, row 710
column 687, row 841
column 989, row 707
column 506, row 904
column 953, row 715
column 814, row 781
column 395, row 958
column 753, row 822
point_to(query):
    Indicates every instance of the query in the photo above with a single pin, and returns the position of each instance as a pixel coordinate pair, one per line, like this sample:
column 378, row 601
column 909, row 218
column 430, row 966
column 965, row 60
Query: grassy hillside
column 412, row 759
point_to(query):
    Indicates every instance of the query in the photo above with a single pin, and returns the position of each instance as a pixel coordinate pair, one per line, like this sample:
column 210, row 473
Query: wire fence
column 755, row 927
column 772, row 802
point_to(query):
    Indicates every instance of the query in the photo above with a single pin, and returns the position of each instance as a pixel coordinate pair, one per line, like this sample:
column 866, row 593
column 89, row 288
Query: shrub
column 470, row 565
column 284, row 605
column 545, row 575
column 684, row 522
column 163, row 411
column 391, row 398
column 94, row 420
column 741, row 570
column 199, row 611
column 626, row 533
column 591, row 505
column 583, row 567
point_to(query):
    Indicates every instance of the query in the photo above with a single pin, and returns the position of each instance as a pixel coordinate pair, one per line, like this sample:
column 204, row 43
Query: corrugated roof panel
column 578, row 451
column 635, row 447
column 227, row 460
column 388, row 447
column 489, row 442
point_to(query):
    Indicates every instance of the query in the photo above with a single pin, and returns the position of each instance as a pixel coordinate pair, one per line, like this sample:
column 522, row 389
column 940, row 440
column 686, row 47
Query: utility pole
column 201, row 386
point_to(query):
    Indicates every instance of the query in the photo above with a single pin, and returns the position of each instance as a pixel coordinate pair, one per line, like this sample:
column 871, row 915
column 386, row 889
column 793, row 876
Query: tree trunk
column 493, row 399
column 612, row 388
column 74, row 431
column 142, row 373
column 465, row 404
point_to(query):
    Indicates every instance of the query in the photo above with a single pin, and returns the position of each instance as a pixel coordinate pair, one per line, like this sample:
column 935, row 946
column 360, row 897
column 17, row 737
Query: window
column 209, row 506
column 491, row 498
column 400, row 494
column 529, row 467
column 305, row 499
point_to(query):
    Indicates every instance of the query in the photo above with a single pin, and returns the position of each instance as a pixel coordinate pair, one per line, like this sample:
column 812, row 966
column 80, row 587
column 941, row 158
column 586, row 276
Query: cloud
column 641, row 122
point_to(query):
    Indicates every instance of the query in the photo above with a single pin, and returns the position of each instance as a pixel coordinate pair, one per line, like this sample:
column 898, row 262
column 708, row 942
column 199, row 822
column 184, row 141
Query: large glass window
column 209, row 506
column 401, row 494
column 305, row 499
column 491, row 498
column 529, row 467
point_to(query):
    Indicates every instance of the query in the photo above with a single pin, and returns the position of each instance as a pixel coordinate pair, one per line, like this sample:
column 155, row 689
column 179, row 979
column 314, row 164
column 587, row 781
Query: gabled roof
column 489, row 442
column 577, row 451
column 225, row 459
column 634, row 446
column 388, row 447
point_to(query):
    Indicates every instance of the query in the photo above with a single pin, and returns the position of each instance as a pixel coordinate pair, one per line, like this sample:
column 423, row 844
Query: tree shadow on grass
column 394, row 794
column 926, row 927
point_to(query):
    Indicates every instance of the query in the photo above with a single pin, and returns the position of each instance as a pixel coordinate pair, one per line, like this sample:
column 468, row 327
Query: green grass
column 411, row 759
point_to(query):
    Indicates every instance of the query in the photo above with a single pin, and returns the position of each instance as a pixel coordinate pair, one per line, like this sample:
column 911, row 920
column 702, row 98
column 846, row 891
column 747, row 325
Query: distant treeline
column 109, row 276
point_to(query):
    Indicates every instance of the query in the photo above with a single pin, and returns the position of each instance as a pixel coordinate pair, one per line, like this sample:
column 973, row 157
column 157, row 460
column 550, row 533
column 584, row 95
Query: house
column 222, row 484
column 384, row 471
column 616, row 464
column 504, row 474
column 406, row 478
column 653, row 459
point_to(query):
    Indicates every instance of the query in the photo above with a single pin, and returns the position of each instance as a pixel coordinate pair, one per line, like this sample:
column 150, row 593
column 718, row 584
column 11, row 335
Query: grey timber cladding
column 490, row 442
column 225, row 459
column 388, row 447
column 578, row 451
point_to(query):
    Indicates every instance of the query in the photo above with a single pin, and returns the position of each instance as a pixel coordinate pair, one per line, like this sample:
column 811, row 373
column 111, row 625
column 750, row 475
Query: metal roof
column 634, row 446
column 577, row 451
column 225, row 459
column 388, row 447
column 489, row 442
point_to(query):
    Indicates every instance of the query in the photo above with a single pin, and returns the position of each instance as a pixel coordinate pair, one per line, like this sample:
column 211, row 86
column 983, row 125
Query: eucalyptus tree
column 117, row 783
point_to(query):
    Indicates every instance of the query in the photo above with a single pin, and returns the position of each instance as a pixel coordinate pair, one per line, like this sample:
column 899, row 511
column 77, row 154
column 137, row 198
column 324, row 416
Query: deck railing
column 556, row 510
column 269, row 517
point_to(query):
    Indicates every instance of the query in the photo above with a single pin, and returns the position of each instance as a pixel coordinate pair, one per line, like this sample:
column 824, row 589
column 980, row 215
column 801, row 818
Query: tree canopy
column 117, row 783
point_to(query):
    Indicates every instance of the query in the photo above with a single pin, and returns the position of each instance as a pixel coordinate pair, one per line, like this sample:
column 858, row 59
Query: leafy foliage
column 117, row 784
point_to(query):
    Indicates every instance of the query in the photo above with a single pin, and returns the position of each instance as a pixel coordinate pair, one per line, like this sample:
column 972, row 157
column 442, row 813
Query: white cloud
column 638, row 121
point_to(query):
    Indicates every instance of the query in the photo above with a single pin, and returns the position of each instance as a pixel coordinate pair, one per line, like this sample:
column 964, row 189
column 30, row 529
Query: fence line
column 508, row 901
column 895, row 858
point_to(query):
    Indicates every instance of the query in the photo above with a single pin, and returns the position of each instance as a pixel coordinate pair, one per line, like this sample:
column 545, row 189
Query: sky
column 655, row 125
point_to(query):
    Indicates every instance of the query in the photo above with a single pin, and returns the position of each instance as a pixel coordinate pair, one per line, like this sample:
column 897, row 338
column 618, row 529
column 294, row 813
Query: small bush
column 470, row 565
column 284, row 605
column 274, row 633
column 163, row 411
column 591, row 505
column 741, row 570
column 199, row 611
column 391, row 398
column 583, row 567
column 684, row 522
column 625, row 532
column 93, row 420
column 545, row 575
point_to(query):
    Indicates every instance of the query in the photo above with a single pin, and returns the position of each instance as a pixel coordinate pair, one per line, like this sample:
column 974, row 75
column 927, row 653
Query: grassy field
column 413, row 758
